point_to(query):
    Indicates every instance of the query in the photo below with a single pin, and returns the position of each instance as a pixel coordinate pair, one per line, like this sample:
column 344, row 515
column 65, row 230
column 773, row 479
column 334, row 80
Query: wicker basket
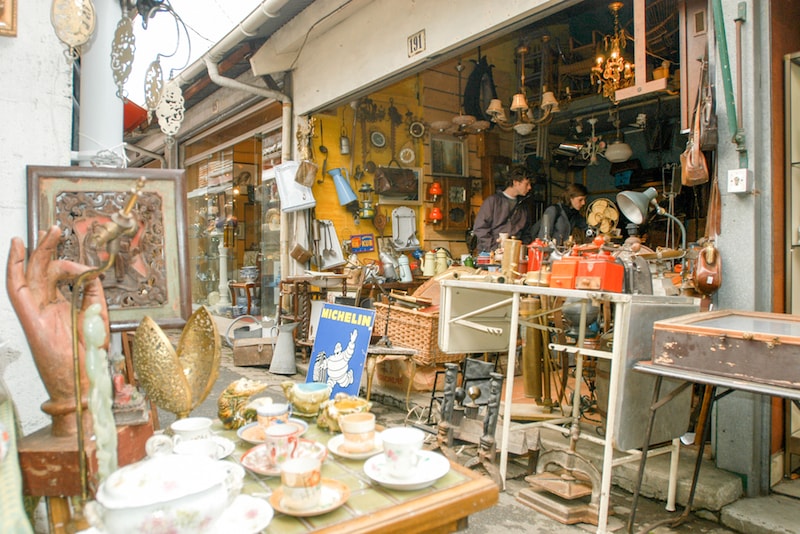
column 414, row 329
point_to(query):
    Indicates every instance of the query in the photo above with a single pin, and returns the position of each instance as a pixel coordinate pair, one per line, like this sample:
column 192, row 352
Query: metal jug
column 442, row 261
column 429, row 264
column 405, row 269
column 283, row 357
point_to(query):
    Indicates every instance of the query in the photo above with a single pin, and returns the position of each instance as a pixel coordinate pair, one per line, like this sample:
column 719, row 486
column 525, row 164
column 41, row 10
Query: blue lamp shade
column 343, row 190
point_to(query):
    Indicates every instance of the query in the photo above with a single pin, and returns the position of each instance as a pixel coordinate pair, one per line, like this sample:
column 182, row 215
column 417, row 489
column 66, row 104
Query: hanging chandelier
column 611, row 70
column 594, row 146
column 462, row 124
column 525, row 119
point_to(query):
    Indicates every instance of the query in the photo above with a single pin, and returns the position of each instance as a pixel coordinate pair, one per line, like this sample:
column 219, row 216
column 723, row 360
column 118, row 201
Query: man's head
column 519, row 182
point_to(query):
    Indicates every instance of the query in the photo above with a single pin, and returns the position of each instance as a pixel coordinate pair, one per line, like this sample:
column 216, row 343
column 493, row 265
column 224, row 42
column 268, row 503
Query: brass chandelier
column 611, row 70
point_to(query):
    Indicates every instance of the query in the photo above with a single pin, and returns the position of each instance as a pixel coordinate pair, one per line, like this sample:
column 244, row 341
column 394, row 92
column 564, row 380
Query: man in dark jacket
column 505, row 212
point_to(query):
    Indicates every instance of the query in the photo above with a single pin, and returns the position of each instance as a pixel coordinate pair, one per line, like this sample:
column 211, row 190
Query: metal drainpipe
column 286, row 128
column 144, row 152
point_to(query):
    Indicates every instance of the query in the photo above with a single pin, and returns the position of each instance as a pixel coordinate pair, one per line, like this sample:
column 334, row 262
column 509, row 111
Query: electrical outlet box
column 739, row 181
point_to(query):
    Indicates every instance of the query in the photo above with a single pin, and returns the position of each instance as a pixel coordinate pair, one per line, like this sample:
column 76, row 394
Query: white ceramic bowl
column 169, row 493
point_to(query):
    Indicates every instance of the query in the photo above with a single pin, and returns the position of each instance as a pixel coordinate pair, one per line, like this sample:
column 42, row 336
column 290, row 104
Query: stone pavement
column 513, row 516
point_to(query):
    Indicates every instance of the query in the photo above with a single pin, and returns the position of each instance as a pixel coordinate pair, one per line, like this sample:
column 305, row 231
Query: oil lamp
column 367, row 210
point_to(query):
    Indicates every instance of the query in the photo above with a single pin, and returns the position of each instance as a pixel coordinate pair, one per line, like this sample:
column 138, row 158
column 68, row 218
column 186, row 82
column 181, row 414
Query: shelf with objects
column 224, row 235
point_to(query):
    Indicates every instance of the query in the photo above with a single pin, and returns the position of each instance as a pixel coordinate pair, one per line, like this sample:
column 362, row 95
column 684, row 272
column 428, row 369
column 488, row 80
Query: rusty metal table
column 711, row 381
column 443, row 507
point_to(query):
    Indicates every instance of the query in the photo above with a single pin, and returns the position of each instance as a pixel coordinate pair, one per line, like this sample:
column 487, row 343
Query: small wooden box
column 757, row 346
column 253, row 351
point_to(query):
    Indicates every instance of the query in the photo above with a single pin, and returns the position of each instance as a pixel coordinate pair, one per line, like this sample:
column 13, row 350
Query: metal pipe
column 727, row 83
column 144, row 152
column 267, row 10
column 286, row 130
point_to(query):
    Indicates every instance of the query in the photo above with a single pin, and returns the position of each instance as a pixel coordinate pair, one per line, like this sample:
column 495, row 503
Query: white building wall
column 36, row 111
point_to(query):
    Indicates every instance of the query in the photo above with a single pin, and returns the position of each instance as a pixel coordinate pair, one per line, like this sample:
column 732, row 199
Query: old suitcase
column 757, row 346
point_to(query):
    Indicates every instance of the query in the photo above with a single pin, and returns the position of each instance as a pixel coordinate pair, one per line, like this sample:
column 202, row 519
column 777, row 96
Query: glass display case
column 224, row 237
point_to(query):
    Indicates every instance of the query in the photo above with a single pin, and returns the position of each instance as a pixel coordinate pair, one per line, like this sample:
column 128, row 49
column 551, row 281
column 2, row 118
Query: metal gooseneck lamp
column 636, row 206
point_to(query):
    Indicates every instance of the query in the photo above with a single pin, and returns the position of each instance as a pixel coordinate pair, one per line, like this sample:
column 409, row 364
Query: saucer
column 245, row 515
column 256, row 458
column 432, row 466
column 226, row 445
column 336, row 442
column 334, row 494
column 253, row 433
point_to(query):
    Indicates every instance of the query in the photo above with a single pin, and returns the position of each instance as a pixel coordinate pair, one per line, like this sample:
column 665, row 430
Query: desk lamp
column 635, row 206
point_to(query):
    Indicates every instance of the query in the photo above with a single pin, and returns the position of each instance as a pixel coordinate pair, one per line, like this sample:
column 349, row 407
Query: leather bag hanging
column 708, row 270
column 694, row 169
column 395, row 181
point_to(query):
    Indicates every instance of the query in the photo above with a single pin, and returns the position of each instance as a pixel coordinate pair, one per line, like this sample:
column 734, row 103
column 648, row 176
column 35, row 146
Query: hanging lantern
column 436, row 215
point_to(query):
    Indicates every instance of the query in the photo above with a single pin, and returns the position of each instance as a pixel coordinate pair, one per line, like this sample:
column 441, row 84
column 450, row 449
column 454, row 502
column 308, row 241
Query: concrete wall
column 36, row 106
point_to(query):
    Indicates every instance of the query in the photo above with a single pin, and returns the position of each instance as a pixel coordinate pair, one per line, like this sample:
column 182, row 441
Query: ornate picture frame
column 150, row 276
column 448, row 157
column 8, row 18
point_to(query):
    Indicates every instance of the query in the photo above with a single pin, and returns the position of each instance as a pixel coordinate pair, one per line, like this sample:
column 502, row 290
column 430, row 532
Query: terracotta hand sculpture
column 45, row 316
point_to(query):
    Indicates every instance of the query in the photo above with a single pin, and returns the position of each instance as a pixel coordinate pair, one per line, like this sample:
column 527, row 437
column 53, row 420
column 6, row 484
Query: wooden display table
column 443, row 507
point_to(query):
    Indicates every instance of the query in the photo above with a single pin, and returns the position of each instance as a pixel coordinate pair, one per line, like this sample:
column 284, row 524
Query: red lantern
column 436, row 215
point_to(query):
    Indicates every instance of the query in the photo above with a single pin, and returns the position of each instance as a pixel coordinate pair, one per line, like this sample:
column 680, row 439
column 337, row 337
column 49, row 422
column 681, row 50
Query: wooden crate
column 414, row 329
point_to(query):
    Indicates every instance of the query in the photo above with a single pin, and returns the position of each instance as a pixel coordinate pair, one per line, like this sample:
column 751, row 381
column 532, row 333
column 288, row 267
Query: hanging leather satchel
column 395, row 182
column 694, row 169
column 708, row 270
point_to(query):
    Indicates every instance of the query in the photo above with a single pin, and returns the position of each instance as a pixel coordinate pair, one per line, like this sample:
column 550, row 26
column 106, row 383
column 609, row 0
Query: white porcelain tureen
column 169, row 493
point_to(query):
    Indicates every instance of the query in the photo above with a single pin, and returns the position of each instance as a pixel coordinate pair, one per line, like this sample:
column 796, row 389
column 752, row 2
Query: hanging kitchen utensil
column 395, row 119
column 379, row 222
column 332, row 255
column 324, row 151
column 344, row 141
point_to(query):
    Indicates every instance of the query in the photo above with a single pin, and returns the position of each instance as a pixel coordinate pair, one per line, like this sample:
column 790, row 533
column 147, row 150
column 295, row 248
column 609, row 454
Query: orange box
column 562, row 274
column 599, row 272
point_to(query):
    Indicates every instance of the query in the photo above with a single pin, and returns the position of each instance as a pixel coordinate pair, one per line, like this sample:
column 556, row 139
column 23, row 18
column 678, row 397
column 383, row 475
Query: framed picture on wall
column 150, row 273
column 8, row 18
column 448, row 157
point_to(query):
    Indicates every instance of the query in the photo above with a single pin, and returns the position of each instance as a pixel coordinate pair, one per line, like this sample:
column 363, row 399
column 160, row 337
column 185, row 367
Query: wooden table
column 443, row 507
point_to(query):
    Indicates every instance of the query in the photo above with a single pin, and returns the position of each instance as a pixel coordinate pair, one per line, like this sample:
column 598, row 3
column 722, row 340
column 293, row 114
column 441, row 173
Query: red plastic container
column 599, row 272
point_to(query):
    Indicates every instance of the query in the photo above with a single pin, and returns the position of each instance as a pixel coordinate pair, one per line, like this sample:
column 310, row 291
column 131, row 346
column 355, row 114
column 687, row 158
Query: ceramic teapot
column 306, row 397
column 339, row 405
column 169, row 492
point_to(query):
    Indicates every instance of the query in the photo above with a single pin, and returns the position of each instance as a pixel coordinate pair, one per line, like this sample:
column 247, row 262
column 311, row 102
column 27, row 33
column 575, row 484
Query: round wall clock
column 377, row 139
column 407, row 155
column 416, row 129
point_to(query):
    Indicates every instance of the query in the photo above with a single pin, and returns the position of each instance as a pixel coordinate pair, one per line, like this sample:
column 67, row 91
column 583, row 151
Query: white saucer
column 226, row 446
column 254, row 434
column 334, row 494
column 245, row 515
column 256, row 459
column 336, row 442
column 432, row 466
